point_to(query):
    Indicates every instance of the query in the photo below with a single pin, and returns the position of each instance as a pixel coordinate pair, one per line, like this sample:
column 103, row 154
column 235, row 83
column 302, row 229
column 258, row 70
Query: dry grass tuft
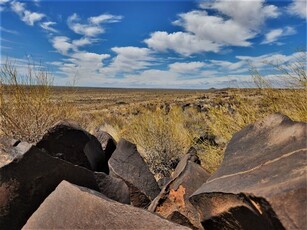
column 27, row 108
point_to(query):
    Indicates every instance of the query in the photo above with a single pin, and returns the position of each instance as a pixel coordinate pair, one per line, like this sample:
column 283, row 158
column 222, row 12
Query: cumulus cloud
column 47, row 26
column 298, row 8
column 186, row 67
column 129, row 59
column 27, row 16
column 181, row 42
column 93, row 26
column 274, row 35
column 204, row 32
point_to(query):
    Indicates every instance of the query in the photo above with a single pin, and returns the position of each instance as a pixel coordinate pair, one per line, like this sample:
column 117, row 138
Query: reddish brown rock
column 174, row 197
column 262, row 179
column 127, row 164
column 28, row 179
column 68, row 141
column 70, row 207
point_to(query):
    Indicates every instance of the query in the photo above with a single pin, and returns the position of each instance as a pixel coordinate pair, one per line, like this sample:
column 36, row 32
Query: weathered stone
column 112, row 187
column 174, row 197
column 107, row 142
column 126, row 163
column 178, row 218
column 67, row 141
column 70, row 207
column 28, row 179
column 11, row 148
column 265, row 168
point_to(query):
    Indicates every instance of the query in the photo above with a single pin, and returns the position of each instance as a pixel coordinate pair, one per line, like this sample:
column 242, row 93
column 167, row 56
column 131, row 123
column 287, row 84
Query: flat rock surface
column 28, row 179
column 266, row 159
column 70, row 207
column 126, row 163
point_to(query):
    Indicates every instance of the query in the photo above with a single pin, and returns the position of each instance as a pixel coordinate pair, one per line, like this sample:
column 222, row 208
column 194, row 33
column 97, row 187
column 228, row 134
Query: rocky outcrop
column 29, row 178
column 70, row 206
column 68, row 141
column 261, row 183
column 127, row 164
column 173, row 201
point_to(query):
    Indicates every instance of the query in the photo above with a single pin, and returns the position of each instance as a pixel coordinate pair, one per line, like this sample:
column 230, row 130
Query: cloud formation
column 93, row 26
column 204, row 32
column 25, row 15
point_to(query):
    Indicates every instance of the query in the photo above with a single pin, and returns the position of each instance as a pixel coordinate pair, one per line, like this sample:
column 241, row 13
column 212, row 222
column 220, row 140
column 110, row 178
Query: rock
column 11, row 148
column 178, row 218
column 174, row 197
column 28, row 179
column 107, row 142
column 114, row 188
column 70, row 207
column 163, row 181
column 126, row 163
column 67, row 141
column 262, row 180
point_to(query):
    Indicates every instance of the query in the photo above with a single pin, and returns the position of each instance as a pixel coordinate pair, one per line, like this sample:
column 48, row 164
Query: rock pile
column 73, row 179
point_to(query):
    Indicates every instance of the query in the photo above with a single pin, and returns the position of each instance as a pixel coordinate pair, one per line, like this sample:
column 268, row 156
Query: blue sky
column 155, row 44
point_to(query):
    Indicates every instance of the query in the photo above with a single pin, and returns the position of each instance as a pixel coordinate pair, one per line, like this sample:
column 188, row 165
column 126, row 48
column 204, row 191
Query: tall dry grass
column 27, row 107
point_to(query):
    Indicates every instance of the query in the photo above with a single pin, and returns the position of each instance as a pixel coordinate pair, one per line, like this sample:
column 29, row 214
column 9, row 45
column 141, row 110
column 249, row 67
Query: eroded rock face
column 266, row 164
column 28, row 179
column 67, row 141
column 173, row 201
column 107, row 142
column 112, row 187
column 126, row 163
column 70, row 206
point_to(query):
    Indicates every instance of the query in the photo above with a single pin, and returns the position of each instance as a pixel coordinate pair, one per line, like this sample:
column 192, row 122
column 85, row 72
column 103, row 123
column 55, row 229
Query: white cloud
column 47, row 26
column 186, row 67
column 82, row 42
column 93, row 26
column 299, row 8
column 274, row 35
column 248, row 13
column 182, row 43
column 27, row 16
column 105, row 18
column 61, row 44
column 234, row 24
column 129, row 59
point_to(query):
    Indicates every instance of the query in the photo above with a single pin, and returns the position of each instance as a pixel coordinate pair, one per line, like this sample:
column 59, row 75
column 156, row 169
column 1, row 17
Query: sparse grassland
column 164, row 124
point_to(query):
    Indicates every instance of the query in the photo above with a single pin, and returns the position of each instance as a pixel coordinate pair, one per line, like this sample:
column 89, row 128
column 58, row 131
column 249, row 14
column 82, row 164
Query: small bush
column 27, row 108
column 161, row 138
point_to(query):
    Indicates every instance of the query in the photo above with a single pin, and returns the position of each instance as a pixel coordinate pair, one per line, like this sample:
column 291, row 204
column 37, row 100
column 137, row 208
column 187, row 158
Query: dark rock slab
column 71, row 207
column 126, row 163
column 174, row 196
column 266, row 162
column 112, row 187
column 28, row 179
column 68, row 141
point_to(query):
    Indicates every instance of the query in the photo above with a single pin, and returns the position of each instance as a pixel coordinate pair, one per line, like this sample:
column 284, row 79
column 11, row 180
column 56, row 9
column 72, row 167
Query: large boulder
column 261, row 183
column 70, row 207
column 173, row 200
column 68, row 141
column 29, row 178
column 126, row 163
